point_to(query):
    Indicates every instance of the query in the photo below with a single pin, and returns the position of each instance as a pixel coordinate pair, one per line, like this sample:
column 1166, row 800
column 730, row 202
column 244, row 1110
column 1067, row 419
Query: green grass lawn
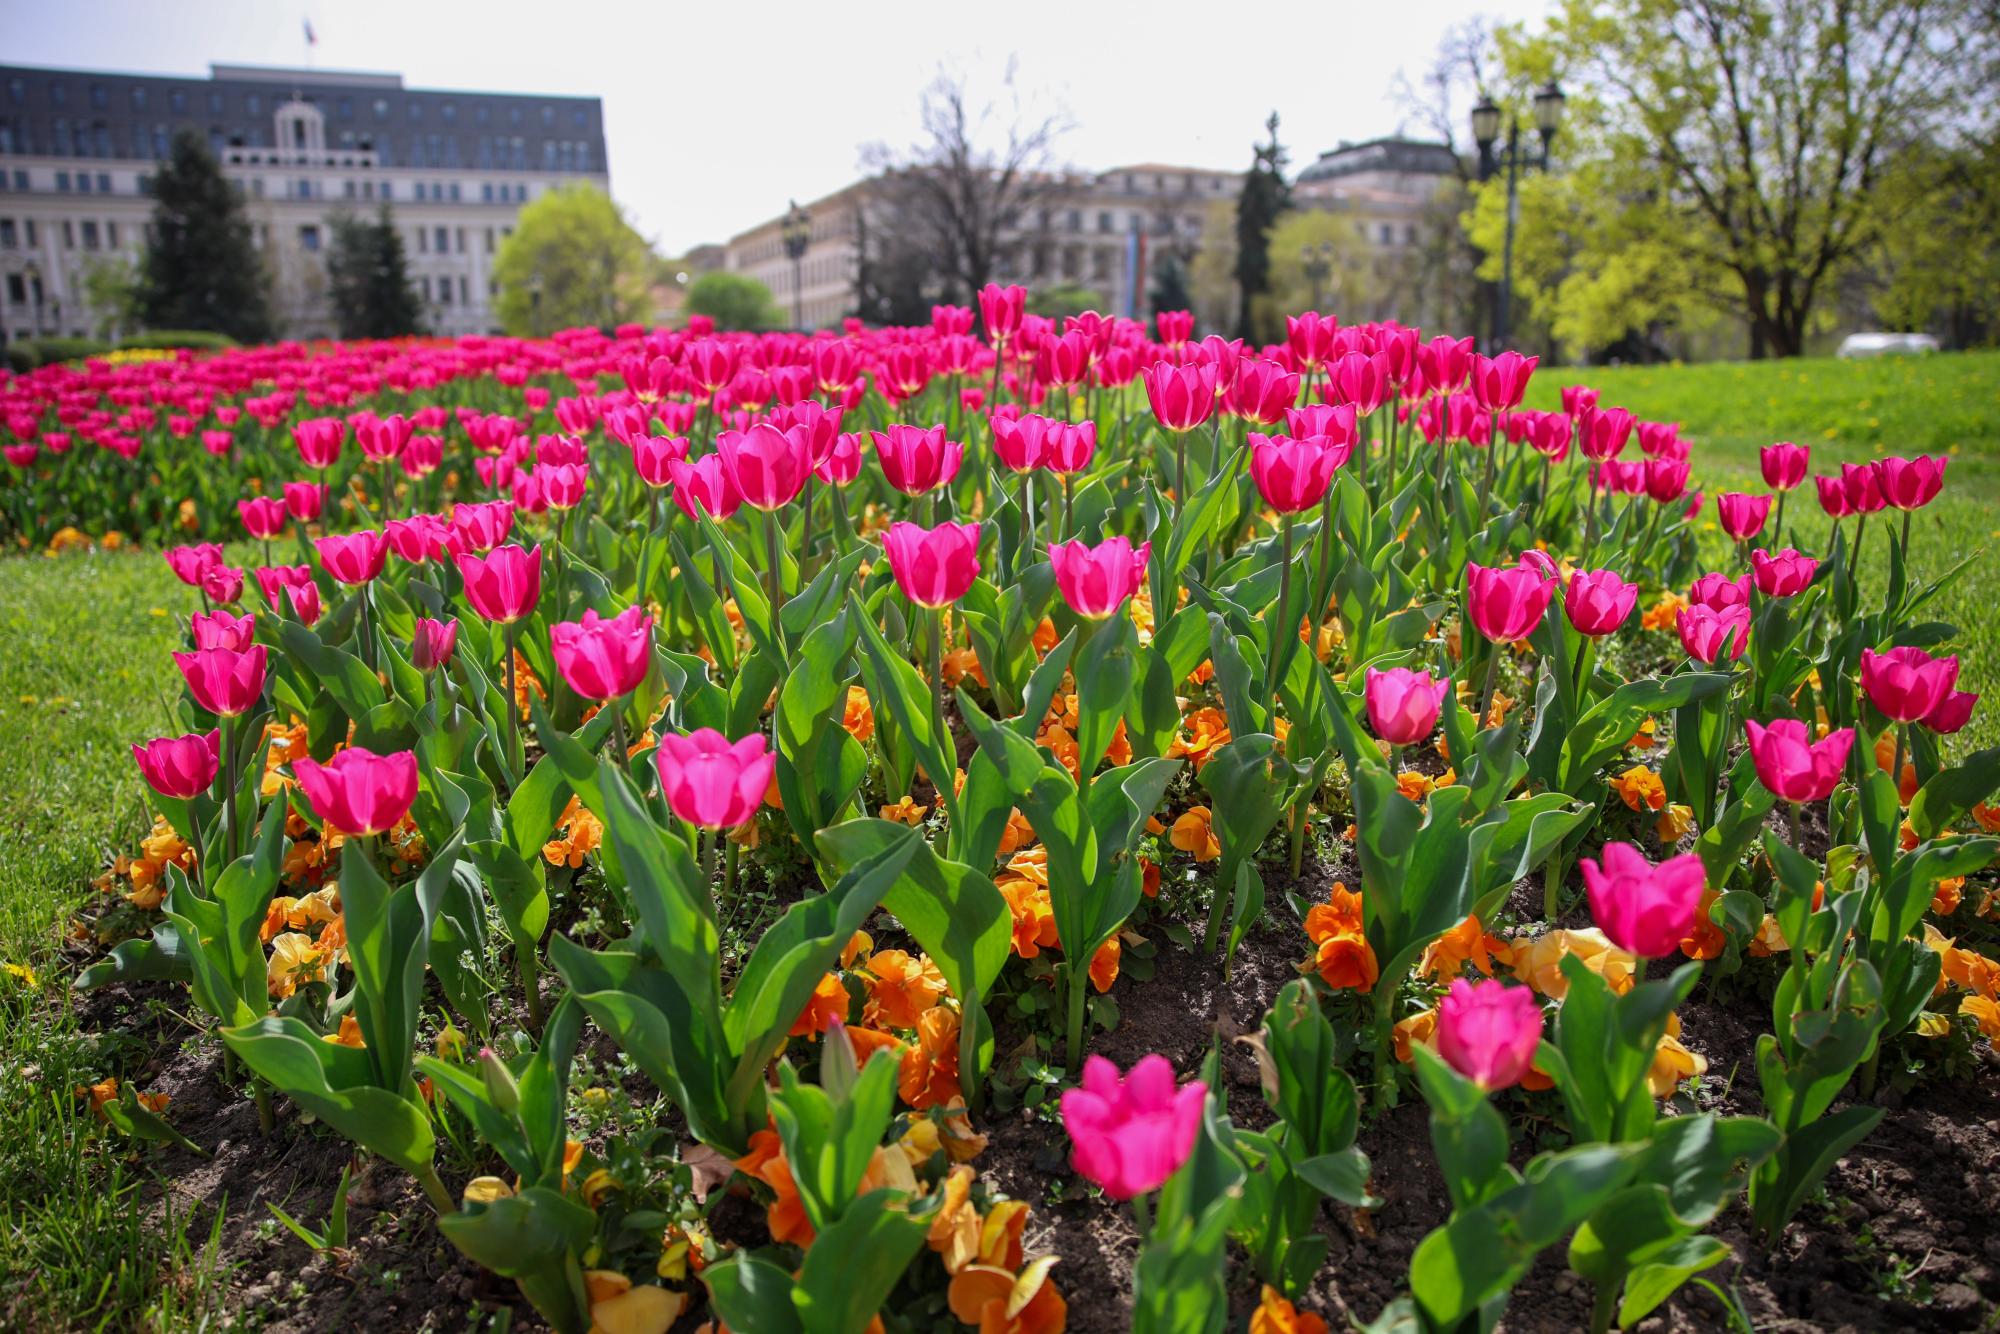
column 1850, row 412
column 84, row 672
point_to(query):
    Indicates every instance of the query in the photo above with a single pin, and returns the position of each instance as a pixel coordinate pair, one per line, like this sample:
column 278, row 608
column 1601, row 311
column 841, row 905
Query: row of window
column 490, row 152
column 218, row 103
column 92, row 234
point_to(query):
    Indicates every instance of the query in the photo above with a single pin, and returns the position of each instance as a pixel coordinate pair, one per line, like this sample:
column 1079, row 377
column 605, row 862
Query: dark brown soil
column 1904, row 1238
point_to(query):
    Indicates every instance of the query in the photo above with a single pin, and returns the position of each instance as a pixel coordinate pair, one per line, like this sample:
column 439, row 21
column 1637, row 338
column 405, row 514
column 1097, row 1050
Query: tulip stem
column 705, row 843
column 531, row 987
column 1896, row 769
column 1180, row 472
column 843, row 527
column 434, row 1190
column 1792, row 817
column 1552, row 883
column 1069, row 522
column 806, row 539
column 267, row 1120
column 1278, row 618
column 1073, row 1048
column 940, row 781
column 1142, row 1216
column 1022, row 558
column 1778, row 523
column 1907, row 516
column 512, row 708
column 228, row 790
column 1323, row 586
column 1486, row 690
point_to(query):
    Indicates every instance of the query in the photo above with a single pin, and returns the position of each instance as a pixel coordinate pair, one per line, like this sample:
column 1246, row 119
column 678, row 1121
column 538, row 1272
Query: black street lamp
column 1318, row 261
column 1516, row 158
column 797, row 232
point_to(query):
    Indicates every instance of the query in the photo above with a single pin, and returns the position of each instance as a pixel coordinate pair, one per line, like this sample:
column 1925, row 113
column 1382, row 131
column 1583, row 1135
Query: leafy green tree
column 1265, row 197
column 202, row 272
column 1169, row 288
column 1303, row 239
column 1058, row 300
column 572, row 260
column 113, row 294
column 733, row 301
column 368, row 279
column 1739, row 147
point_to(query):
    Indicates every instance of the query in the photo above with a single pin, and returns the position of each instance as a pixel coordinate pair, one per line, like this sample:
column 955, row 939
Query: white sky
column 717, row 113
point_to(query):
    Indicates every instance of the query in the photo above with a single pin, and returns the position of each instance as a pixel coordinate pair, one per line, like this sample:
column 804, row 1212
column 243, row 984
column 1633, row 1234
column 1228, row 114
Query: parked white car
column 1886, row 345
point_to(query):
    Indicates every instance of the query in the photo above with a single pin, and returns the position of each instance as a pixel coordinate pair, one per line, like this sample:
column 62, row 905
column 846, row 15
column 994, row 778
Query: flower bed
column 1024, row 828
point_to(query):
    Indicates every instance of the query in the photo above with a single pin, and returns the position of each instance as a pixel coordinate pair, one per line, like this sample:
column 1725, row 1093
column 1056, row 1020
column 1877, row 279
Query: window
column 177, row 101
column 309, row 237
column 138, row 99
column 253, row 103
column 62, row 182
column 416, row 113
column 513, row 115
column 548, row 115
column 1410, row 234
column 463, row 298
column 29, row 228
column 99, row 99
column 302, row 188
column 423, row 242
column 58, row 94
column 478, row 113
column 343, row 107
column 90, row 235
column 111, row 234
column 104, row 182
column 145, row 184
column 381, row 108
column 448, row 113
column 444, row 291
column 486, row 192
column 1387, row 234
column 489, row 239
column 583, row 157
column 461, row 240
column 17, row 92
column 215, row 104
column 441, row 240
column 347, row 189
column 580, row 118
column 83, row 182
column 17, row 289
column 424, row 287
column 10, row 237
column 1104, row 221
column 69, row 235
column 454, row 192
column 388, row 189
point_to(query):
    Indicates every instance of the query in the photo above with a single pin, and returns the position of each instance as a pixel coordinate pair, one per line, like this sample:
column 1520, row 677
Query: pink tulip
column 1644, row 908
column 273, row 580
column 1095, row 581
column 768, row 466
column 710, row 782
column 1783, row 574
column 1070, row 447
column 1742, row 516
column 842, row 463
column 1175, row 326
column 1717, row 591
column 1666, row 480
column 1336, row 421
column 1598, row 602
column 383, row 438
column 504, row 585
column 423, row 456
column 1293, row 475
column 191, row 564
column 1262, row 392
column 353, row 558
column 1953, row 712
column 224, row 681
column 304, row 500
column 1910, row 484
column 1507, row 602
column 181, row 767
column 218, row 629
column 318, row 439
column 359, row 792
column 1500, row 383
column 1707, row 633
column 704, row 487
column 481, row 527
column 1833, row 497
column 917, row 461
column 419, row 538
column 1403, row 705
column 1783, row 464
column 1022, row 443
column 1577, row 397
column 224, row 583
column 652, row 455
column 1488, row 1031
column 1793, row 767
column 1359, row 380
column 933, row 566
column 263, row 516
column 1129, row 1135
column 604, row 658
column 1182, row 397
column 1863, row 484
column 1001, row 310
column 304, row 600
column 1907, row 684
column 432, row 645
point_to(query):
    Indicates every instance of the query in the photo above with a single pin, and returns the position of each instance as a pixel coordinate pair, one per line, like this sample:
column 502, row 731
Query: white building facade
column 79, row 150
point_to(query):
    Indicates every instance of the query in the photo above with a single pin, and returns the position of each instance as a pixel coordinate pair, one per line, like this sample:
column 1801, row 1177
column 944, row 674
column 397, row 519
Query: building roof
column 1389, row 154
column 87, row 113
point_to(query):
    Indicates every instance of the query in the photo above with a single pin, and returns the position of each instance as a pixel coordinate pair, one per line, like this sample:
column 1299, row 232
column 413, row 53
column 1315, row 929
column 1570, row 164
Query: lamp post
column 1318, row 261
column 33, row 273
column 797, row 232
column 535, row 303
column 1516, row 158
